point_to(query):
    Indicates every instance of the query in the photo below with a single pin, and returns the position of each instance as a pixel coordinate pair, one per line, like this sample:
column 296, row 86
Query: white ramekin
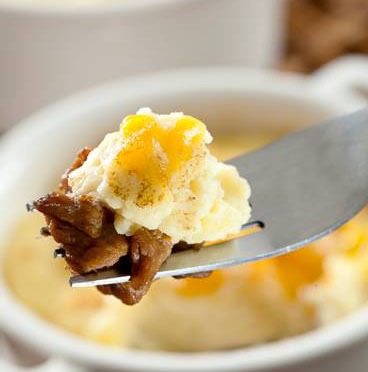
column 50, row 48
column 35, row 152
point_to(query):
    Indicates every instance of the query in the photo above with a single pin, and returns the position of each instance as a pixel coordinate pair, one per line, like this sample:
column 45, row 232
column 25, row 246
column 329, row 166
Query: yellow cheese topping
column 153, row 152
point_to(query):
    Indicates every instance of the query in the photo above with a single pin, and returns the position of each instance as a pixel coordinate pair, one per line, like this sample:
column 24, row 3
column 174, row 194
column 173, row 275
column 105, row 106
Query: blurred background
column 50, row 49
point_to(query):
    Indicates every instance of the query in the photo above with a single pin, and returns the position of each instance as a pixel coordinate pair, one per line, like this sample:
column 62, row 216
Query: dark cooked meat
column 83, row 212
column 85, row 254
column 148, row 250
column 201, row 275
column 88, row 247
column 183, row 246
column 106, row 251
column 79, row 160
column 65, row 234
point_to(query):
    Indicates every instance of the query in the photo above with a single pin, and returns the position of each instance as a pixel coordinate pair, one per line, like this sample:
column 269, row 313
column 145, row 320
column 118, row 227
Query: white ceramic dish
column 240, row 98
column 50, row 48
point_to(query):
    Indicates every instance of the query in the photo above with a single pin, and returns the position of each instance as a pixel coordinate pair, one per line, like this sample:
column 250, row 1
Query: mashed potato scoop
column 148, row 189
column 303, row 186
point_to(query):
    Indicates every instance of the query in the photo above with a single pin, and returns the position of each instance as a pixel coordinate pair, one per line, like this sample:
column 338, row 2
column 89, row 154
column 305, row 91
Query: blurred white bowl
column 50, row 48
column 34, row 153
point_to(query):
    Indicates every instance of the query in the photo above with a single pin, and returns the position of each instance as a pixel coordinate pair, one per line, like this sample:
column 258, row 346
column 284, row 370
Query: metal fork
column 303, row 187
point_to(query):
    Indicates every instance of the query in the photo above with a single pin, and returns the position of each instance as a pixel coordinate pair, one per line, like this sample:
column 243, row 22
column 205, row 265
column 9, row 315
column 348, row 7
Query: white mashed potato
column 157, row 172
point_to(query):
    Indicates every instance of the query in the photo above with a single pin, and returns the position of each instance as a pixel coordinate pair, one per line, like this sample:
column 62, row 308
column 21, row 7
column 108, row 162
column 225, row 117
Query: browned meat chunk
column 84, row 213
column 84, row 253
column 94, row 258
column 148, row 251
column 64, row 233
column 183, row 246
column 80, row 159
column 90, row 248
column 106, row 251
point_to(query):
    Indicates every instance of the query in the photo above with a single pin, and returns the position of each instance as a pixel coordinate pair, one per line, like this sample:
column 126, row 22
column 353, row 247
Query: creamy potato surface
column 234, row 307
column 157, row 172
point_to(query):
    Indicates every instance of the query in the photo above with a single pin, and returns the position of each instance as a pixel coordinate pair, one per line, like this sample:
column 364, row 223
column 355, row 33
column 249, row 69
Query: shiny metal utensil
column 303, row 186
